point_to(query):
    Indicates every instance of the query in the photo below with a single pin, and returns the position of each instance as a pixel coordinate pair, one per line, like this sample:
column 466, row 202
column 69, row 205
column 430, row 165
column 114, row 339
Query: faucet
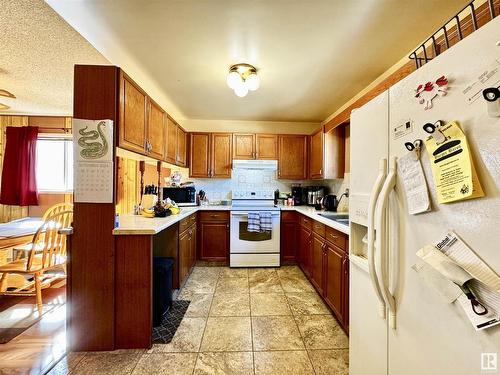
column 345, row 194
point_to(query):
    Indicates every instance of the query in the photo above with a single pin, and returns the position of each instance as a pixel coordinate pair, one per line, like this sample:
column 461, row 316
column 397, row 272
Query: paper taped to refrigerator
column 453, row 247
column 414, row 184
column 444, row 274
column 452, row 166
column 446, row 289
column 444, row 265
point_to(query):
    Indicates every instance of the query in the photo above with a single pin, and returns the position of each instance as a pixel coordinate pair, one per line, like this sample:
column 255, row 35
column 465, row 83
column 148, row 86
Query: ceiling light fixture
column 243, row 78
column 4, row 107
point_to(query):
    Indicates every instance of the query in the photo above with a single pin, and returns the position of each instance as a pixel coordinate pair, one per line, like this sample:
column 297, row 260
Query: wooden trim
column 133, row 292
column 90, row 320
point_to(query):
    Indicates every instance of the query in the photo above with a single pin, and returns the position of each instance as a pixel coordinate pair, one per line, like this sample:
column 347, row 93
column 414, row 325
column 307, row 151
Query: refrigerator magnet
column 492, row 97
column 426, row 93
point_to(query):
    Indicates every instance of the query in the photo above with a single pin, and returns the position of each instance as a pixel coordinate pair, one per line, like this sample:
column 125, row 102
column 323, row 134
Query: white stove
column 254, row 249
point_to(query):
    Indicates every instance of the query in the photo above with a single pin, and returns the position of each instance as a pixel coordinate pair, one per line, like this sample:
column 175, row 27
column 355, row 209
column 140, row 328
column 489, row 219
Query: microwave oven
column 183, row 196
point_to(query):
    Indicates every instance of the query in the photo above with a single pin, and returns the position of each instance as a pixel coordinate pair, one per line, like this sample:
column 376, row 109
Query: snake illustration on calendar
column 91, row 147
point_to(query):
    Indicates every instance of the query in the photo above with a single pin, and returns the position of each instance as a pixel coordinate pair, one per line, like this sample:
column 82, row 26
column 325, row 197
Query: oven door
column 243, row 241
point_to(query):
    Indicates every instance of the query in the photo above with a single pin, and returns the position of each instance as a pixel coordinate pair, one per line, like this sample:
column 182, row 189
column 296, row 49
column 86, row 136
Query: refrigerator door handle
column 371, row 234
column 381, row 242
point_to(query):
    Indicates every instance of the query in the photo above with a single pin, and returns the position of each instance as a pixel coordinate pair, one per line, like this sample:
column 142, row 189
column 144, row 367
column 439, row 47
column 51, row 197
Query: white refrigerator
column 398, row 324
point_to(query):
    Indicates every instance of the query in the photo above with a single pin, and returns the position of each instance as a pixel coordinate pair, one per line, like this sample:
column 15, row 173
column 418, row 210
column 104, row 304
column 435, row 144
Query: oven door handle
column 245, row 213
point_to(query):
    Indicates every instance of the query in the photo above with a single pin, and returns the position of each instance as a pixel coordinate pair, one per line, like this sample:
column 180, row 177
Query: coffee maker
column 315, row 194
column 298, row 195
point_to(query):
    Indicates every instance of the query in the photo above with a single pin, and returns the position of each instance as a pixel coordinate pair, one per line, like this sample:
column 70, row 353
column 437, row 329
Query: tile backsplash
column 217, row 189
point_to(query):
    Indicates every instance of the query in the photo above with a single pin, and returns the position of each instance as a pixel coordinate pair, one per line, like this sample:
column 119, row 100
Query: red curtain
column 19, row 174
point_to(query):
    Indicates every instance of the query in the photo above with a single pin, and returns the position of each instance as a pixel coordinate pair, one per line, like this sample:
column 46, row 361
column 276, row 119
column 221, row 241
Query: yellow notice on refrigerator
column 452, row 165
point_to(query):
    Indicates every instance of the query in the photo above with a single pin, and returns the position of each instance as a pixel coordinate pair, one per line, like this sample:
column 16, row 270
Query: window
column 54, row 164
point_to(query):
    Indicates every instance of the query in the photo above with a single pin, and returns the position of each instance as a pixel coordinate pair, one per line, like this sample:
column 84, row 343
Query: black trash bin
column 162, row 287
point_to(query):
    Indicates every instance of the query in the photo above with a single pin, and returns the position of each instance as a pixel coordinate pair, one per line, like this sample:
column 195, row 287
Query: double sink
column 339, row 218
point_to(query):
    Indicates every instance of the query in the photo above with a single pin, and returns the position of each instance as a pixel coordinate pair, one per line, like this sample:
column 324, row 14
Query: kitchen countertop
column 315, row 215
column 136, row 224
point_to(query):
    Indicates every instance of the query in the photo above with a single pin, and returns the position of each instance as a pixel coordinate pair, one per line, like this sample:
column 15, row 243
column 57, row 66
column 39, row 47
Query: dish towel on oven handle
column 266, row 221
column 253, row 222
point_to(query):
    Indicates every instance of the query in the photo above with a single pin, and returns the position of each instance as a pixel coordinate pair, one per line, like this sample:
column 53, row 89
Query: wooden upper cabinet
column 176, row 144
column 199, row 150
column 181, row 157
column 255, row 146
column 244, row 146
column 266, row 146
column 171, row 141
column 210, row 155
column 327, row 154
column 292, row 157
column 156, row 130
column 132, row 118
column 221, row 145
column 316, row 154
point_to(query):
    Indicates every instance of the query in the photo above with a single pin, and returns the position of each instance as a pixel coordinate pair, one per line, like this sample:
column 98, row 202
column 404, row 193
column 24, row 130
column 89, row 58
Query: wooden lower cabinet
column 213, row 240
column 323, row 257
column 184, row 253
column 187, row 248
column 288, row 235
column 334, row 280
column 305, row 243
column 316, row 266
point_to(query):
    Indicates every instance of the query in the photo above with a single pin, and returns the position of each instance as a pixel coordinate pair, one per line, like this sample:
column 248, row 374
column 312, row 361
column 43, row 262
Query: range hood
column 269, row 165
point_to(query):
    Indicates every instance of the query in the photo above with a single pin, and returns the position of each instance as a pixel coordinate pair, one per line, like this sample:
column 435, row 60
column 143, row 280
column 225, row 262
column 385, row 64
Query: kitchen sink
column 339, row 218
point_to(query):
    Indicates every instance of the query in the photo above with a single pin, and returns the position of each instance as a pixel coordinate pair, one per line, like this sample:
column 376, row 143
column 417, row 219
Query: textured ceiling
column 312, row 56
column 37, row 52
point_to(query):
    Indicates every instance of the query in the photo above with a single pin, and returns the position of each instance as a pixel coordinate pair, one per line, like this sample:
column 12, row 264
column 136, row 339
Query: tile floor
column 240, row 321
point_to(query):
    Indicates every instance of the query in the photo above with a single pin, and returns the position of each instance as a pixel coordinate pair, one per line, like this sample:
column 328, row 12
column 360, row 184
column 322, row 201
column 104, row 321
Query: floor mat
column 164, row 333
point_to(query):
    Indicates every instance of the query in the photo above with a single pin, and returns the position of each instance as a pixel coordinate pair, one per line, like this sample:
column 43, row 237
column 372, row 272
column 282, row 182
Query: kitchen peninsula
column 316, row 243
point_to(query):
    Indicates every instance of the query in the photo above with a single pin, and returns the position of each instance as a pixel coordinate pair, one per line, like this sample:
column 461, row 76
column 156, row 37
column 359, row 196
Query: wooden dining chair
column 20, row 251
column 47, row 253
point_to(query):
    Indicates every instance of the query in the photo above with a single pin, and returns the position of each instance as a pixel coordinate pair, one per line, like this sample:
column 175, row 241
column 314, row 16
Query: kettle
column 330, row 202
